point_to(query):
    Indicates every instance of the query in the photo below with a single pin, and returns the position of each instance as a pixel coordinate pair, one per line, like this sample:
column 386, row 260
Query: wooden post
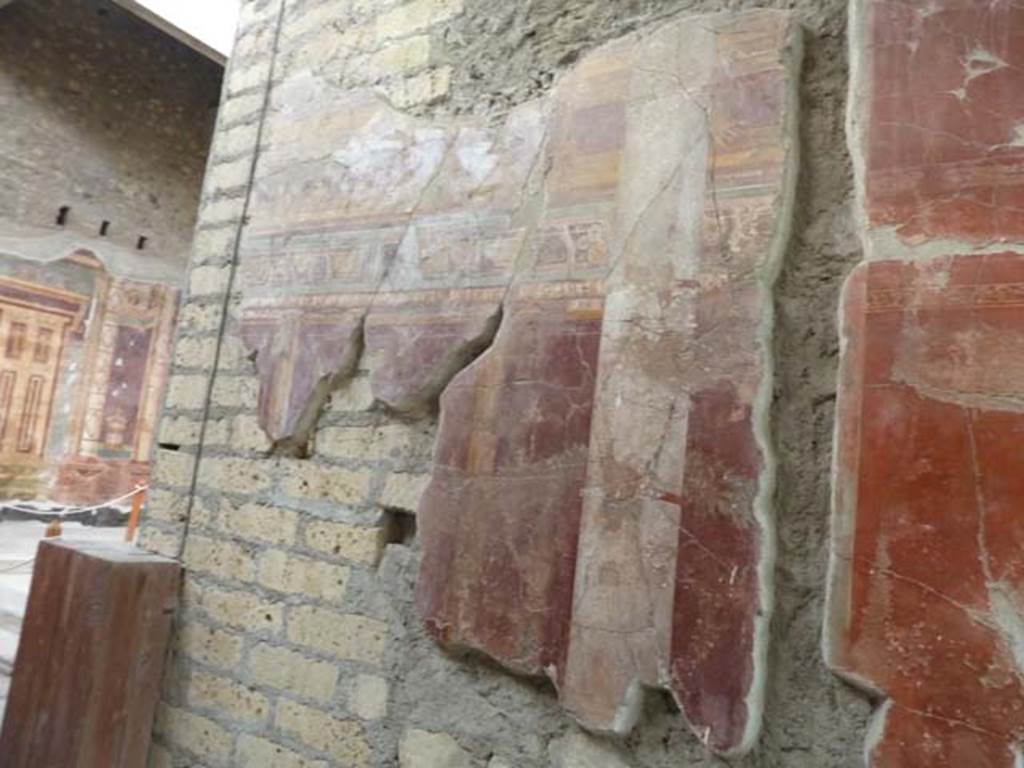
column 87, row 673
column 133, row 519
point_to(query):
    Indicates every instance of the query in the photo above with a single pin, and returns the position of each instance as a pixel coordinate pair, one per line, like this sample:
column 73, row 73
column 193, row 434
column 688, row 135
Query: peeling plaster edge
column 856, row 95
column 838, row 569
column 427, row 399
column 876, row 730
column 839, row 528
column 842, row 501
column 627, row 714
column 761, row 417
column 840, row 519
column 301, row 436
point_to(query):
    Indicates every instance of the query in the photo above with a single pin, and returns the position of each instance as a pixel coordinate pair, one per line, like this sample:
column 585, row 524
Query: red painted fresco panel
column 928, row 584
column 944, row 133
column 717, row 582
column 126, row 385
column 926, row 603
column 670, row 586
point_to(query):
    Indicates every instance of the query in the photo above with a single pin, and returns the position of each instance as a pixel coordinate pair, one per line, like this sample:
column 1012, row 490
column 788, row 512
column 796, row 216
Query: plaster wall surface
column 298, row 644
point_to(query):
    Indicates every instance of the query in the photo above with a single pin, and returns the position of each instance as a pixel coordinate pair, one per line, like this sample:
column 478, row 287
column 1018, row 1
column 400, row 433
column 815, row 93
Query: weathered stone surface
column 926, row 592
column 423, row 749
column 577, row 750
column 688, row 190
column 927, row 583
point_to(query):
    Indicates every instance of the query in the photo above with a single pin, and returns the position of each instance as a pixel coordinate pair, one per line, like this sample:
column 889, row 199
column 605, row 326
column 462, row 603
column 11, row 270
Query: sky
column 209, row 21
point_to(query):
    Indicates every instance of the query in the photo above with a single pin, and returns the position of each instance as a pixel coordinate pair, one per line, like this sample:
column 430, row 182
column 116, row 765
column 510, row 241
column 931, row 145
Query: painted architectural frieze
column 586, row 285
column 926, row 593
column 84, row 357
column 402, row 248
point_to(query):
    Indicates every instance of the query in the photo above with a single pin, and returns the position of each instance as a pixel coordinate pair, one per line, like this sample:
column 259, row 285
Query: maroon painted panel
column 500, row 518
column 295, row 353
column 670, row 582
column 717, row 582
column 128, row 367
column 416, row 343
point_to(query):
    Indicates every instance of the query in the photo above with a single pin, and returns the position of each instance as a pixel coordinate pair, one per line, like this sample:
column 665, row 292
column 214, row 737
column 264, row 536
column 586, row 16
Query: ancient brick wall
column 299, row 644
column 106, row 124
column 106, row 115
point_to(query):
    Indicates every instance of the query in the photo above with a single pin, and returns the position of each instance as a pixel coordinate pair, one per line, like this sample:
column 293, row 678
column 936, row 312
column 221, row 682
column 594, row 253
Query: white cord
column 12, row 568
column 16, row 505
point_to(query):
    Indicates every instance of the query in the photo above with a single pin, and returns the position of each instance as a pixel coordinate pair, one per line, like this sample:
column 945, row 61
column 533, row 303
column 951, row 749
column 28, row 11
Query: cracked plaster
column 929, row 402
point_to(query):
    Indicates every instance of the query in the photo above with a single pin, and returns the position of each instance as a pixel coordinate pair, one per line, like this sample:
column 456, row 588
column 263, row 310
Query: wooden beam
column 88, row 668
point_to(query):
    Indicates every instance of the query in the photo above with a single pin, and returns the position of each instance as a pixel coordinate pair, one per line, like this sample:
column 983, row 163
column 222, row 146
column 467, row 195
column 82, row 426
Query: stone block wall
column 298, row 643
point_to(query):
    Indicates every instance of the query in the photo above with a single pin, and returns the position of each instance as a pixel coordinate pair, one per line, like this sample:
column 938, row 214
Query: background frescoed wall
column 83, row 362
column 106, row 127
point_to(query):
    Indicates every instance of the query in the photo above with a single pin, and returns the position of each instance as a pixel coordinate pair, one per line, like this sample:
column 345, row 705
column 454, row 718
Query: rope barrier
column 10, row 568
column 18, row 505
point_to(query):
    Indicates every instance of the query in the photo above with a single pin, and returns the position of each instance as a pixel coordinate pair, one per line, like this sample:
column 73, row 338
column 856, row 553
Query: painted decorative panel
column 85, row 358
column 928, row 576
column 586, row 287
column 939, row 110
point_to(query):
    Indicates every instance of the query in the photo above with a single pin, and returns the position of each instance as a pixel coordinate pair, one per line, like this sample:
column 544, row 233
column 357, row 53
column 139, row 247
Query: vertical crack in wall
column 832, row 717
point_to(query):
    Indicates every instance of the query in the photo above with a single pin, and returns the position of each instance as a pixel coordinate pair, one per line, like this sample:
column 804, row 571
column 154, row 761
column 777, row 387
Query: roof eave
column 161, row 23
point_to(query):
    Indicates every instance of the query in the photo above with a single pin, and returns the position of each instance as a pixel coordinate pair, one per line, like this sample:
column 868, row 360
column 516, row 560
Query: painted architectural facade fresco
column 926, row 596
column 84, row 357
column 586, row 287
